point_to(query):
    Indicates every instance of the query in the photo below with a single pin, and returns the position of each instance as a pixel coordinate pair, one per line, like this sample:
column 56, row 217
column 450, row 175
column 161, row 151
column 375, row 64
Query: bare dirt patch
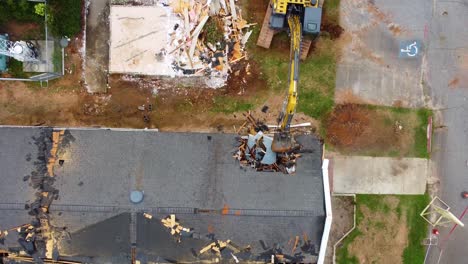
column 330, row 26
column 21, row 30
column 175, row 108
column 360, row 129
column 384, row 235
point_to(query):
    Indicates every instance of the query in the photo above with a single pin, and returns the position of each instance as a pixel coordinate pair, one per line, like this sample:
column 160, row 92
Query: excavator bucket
column 282, row 142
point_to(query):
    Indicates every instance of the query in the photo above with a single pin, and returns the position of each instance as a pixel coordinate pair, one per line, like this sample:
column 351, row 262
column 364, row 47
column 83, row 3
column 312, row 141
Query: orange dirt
column 346, row 125
column 355, row 128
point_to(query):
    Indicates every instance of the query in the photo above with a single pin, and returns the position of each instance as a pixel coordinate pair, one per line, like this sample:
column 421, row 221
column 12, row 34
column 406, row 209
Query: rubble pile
column 255, row 150
column 209, row 40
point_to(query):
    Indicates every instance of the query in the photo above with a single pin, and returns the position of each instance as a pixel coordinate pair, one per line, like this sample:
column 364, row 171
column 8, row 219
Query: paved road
column 447, row 81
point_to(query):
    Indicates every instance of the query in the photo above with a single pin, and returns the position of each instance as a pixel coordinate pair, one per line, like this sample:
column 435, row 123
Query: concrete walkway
column 379, row 175
column 97, row 48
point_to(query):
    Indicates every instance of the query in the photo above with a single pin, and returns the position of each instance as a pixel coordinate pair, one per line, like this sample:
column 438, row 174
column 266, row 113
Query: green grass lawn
column 228, row 105
column 408, row 206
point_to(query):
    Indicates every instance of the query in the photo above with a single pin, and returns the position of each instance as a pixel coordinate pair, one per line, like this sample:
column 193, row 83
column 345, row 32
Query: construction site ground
column 256, row 82
column 253, row 84
column 390, row 228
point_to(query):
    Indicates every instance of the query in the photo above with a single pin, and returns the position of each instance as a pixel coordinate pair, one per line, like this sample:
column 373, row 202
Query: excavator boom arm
column 282, row 141
column 290, row 104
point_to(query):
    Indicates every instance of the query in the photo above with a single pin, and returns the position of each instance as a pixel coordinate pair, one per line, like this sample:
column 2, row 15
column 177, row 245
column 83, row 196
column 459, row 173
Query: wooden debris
column 295, row 245
column 216, row 246
column 194, row 54
column 148, row 216
column 174, row 226
column 232, row 4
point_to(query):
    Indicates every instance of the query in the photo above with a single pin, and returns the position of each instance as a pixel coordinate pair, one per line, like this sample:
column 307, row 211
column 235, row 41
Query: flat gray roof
column 190, row 174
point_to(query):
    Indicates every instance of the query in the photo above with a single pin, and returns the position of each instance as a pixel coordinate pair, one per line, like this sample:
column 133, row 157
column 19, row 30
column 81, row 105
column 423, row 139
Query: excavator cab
column 312, row 21
column 308, row 10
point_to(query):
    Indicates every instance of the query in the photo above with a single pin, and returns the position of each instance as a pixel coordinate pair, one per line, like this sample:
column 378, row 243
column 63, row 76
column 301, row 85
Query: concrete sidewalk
column 379, row 175
column 97, row 47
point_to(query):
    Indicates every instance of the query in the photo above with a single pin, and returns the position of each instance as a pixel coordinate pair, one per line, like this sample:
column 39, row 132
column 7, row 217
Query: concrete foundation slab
column 138, row 34
column 379, row 175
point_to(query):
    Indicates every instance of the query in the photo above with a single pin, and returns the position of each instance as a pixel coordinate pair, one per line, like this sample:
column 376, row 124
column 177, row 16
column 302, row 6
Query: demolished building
column 188, row 38
column 197, row 203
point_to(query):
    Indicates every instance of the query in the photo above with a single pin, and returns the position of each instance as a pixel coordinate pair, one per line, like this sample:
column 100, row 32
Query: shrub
column 65, row 17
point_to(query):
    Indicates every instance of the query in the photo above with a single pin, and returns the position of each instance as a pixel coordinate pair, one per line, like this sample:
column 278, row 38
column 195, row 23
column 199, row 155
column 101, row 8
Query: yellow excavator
column 302, row 18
